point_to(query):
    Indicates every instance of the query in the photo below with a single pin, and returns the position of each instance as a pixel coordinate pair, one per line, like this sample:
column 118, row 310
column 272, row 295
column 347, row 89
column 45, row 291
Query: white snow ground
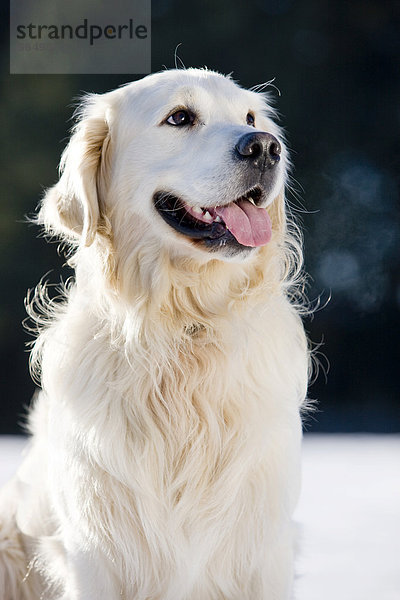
column 349, row 515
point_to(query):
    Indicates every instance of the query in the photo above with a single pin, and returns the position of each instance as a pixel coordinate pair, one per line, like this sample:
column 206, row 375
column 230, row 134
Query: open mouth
column 241, row 222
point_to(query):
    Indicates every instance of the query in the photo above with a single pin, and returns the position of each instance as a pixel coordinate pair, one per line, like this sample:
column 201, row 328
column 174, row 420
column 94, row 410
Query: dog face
column 192, row 159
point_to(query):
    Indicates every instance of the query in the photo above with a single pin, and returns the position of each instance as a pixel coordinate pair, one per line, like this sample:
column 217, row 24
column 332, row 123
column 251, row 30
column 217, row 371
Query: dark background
column 336, row 64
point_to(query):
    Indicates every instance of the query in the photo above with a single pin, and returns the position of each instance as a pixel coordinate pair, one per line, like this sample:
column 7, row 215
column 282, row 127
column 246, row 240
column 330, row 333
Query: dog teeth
column 207, row 216
column 197, row 210
column 218, row 219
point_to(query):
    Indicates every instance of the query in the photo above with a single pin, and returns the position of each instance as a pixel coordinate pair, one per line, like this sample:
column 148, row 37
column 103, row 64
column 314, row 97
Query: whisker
column 178, row 58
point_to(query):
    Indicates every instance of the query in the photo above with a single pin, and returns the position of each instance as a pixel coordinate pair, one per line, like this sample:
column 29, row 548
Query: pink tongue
column 250, row 225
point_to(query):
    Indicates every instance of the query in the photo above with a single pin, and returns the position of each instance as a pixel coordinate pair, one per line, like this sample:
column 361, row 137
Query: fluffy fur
column 165, row 449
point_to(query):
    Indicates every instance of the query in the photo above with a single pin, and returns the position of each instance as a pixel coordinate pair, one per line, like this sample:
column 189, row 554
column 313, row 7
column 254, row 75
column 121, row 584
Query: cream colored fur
column 165, row 450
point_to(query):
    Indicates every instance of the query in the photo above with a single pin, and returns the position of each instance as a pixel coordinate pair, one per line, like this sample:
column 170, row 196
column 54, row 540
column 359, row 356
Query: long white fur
column 165, row 451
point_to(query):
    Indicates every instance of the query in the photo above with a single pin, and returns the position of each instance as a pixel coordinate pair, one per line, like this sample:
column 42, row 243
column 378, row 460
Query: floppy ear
column 71, row 208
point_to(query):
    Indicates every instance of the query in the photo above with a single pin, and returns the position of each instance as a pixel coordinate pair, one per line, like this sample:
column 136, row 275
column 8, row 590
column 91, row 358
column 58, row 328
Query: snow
column 11, row 450
column 348, row 515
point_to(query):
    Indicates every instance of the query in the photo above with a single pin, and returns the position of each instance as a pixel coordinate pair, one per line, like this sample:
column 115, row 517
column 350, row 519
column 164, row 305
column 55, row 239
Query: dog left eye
column 250, row 119
column 180, row 117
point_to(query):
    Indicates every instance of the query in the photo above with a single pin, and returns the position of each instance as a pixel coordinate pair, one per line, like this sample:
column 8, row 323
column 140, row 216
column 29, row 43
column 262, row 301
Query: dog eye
column 180, row 117
column 250, row 119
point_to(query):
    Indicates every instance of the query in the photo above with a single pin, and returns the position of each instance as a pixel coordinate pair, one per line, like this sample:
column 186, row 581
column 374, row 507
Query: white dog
column 164, row 462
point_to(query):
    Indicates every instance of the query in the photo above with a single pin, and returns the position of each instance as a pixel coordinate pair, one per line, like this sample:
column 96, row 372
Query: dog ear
column 71, row 208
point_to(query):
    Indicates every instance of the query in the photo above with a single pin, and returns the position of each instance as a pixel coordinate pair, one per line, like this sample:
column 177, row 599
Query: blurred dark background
column 336, row 64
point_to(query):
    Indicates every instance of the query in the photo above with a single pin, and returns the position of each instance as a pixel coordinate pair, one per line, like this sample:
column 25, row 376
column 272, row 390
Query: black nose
column 261, row 148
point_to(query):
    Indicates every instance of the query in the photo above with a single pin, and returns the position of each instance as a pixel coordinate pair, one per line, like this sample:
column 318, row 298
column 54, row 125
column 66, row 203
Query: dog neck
column 182, row 295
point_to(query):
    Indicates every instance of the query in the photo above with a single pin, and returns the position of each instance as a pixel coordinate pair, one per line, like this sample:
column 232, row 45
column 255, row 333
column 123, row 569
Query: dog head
column 183, row 159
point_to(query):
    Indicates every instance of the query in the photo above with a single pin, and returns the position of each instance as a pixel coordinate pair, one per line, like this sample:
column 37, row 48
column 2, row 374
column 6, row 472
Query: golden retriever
column 165, row 449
